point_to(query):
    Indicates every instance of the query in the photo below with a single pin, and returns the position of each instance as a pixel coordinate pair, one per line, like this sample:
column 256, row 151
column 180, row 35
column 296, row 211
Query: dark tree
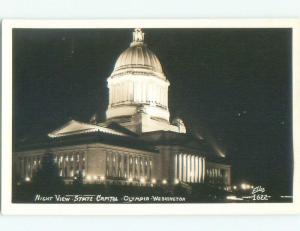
column 47, row 177
column 78, row 179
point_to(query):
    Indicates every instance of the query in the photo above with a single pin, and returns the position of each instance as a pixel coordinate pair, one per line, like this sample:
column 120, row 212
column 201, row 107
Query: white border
column 141, row 209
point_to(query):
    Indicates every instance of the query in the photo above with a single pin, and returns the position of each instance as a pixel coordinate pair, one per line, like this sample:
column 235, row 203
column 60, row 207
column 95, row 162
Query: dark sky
column 231, row 86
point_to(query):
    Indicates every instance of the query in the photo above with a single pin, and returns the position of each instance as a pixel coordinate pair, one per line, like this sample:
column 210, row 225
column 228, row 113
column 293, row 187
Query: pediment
column 76, row 127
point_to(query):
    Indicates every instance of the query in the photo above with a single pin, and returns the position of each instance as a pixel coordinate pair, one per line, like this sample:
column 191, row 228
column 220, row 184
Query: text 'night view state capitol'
column 136, row 144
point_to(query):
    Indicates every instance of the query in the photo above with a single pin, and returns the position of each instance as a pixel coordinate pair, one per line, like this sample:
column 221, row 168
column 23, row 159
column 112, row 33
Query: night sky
column 231, row 86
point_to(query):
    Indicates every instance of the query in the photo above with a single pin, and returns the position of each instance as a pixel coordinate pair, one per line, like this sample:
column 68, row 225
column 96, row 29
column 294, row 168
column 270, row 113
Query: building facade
column 137, row 143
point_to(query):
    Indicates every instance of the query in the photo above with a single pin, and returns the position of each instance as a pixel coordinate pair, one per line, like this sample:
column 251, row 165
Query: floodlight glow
column 245, row 186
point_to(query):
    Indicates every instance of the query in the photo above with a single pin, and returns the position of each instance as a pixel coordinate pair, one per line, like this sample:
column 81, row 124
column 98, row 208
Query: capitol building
column 137, row 143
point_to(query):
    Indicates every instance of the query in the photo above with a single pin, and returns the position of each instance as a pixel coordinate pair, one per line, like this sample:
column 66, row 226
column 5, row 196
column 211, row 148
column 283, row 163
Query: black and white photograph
column 151, row 115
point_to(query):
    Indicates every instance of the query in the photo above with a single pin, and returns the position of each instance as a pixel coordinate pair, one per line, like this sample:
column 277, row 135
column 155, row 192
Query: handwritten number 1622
column 260, row 197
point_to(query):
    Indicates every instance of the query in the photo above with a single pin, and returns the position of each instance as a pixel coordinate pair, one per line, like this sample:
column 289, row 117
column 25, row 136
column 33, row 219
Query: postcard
column 153, row 117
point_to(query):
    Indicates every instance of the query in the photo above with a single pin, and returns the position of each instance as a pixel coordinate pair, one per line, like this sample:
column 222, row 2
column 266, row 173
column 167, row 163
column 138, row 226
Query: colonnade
column 69, row 164
column 145, row 91
column 189, row 168
column 216, row 176
column 28, row 165
column 128, row 166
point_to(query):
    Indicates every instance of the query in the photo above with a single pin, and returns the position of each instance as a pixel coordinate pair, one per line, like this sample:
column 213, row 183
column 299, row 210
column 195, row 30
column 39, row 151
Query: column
column 109, row 156
column 196, row 169
column 166, row 96
column 127, row 162
column 109, row 95
column 113, row 162
column 203, row 169
column 117, row 93
column 200, row 169
column 143, row 166
column 188, row 168
column 131, row 90
column 133, row 166
column 180, row 167
column 80, row 163
column 64, row 165
column 67, row 165
column 122, row 169
column 148, row 168
column 122, row 87
column 72, row 164
column 184, row 167
column 192, row 168
column 117, row 163
column 144, row 92
column 175, row 167
column 138, row 159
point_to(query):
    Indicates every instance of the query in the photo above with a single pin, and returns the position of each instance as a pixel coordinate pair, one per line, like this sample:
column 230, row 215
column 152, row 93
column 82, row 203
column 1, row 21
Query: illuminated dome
column 137, row 59
column 138, row 55
column 138, row 91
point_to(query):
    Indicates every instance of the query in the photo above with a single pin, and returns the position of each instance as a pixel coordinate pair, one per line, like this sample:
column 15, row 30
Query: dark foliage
column 47, row 179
